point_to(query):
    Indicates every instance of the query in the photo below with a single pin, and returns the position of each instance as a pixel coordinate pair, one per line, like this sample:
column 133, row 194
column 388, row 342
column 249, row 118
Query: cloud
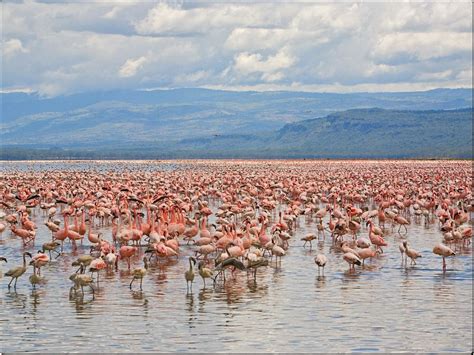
column 131, row 66
column 60, row 48
column 13, row 46
column 422, row 46
column 166, row 19
column 254, row 39
column 435, row 76
column 247, row 63
column 194, row 77
column 436, row 16
column 250, row 63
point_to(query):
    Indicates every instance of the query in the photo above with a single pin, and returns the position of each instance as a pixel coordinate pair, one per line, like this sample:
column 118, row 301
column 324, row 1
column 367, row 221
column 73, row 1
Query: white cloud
column 422, row 46
column 254, row 39
column 164, row 18
column 437, row 16
column 435, row 76
column 194, row 77
column 340, row 17
column 13, row 46
column 247, row 63
column 66, row 47
column 131, row 67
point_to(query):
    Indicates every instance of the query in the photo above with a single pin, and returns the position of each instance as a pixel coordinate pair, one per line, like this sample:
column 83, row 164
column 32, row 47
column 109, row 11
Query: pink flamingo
column 126, row 252
column 376, row 240
column 96, row 265
column 26, row 235
column 39, row 260
column 444, row 251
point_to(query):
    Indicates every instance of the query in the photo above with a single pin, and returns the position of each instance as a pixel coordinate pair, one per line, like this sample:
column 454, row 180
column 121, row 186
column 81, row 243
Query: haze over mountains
column 196, row 123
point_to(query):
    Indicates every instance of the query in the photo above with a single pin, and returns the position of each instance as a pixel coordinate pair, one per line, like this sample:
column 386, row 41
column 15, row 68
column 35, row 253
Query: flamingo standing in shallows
column 189, row 274
column 321, row 261
column 402, row 249
column 376, row 240
column 83, row 260
column 16, row 272
column 190, row 233
column 126, row 252
column 39, row 260
column 81, row 280
column 111, row 260
column 140, row 273
column 62, row 234
column 411, row 253
column 366, row 253
column 96, row 265
column 444, row 251
column 352, row 260
column 93, row 237
column 277, row 250
column 26, row 235
column 402, row 222
column 308, row 238
column 204, row 272
column 53, row 227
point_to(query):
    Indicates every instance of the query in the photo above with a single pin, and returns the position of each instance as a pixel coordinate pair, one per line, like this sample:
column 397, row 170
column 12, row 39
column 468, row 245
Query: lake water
column 382, row 307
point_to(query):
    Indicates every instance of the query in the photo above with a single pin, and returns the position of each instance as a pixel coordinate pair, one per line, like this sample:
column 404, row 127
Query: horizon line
column 31, row 91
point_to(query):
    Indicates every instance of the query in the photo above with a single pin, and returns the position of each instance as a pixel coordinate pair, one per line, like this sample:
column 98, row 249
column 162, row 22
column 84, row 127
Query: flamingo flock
column 228, row 218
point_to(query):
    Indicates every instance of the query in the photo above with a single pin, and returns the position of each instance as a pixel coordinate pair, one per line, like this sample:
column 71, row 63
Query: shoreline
column 225, row 159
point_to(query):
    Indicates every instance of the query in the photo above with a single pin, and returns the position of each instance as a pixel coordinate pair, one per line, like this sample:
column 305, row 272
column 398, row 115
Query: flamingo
column 92, row 237
column 140, row 273
column 96, row 265
column 376, row 240
column 81, row 280
column 190, row 233
column 308, row 238
column 321, row 261
column 402, row 223
column 111, row 260
column 26, row 235
column 62, row 234
column 402, row 249
column 189, row 274
column 53, row 227
column 18, row 271
column 411, row 253
column 366, row 253
column 444, row 251
column 277, row 250
column 352, row 260
column 126, row 252
column 204, row 272
column 39, row 260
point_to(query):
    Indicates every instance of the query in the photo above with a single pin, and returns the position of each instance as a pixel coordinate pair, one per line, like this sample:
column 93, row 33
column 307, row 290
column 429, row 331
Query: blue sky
column 60, row 48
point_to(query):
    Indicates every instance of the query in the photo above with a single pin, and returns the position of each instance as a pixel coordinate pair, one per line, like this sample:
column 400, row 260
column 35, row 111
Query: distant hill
column 359, row 133
column 208, row 123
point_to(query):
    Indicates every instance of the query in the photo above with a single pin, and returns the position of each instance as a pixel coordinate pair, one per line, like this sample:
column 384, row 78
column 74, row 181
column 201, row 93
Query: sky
column 57, row 47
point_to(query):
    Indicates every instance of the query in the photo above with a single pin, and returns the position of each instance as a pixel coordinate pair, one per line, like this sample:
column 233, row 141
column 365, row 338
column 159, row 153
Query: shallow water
column 384, row 307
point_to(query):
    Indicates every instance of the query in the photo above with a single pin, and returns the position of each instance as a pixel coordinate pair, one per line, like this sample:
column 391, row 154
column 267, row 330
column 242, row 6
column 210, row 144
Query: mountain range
column 197, row 123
